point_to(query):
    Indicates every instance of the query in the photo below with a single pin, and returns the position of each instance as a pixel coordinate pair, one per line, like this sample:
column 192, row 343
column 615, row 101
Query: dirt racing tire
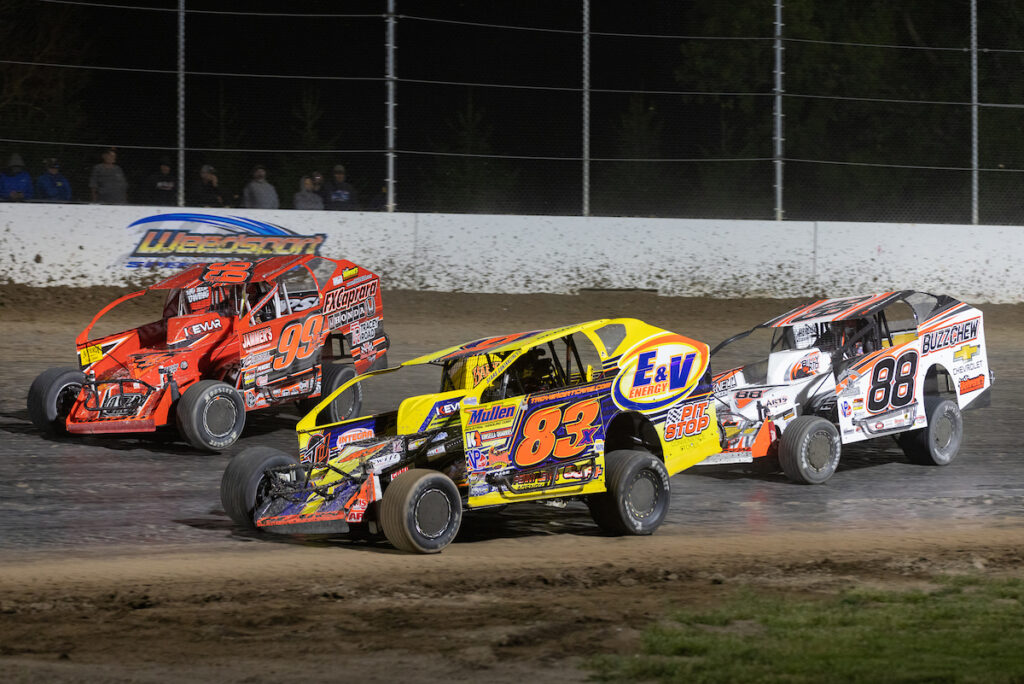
column 243, row 486
column 51, row 396
column 940, row 442
column 638, row 495
column 421, row 511
column 346, row 405
column 809, row 450
column 211, row 415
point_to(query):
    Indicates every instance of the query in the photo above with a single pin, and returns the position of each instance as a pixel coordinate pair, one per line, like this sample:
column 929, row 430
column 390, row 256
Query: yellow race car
column 604, row 412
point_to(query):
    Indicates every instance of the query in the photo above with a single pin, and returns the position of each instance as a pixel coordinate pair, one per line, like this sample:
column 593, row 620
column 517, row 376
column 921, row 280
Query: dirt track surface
column 117, row 564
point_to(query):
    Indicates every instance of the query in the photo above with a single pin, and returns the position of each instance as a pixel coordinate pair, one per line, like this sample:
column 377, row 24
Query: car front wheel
column 51, row 397
column 421, row 511
column 211, row 415
column 809, row 450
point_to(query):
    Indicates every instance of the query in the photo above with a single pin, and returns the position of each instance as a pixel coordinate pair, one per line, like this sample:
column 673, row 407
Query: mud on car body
column 234, row 337
column 900, row 364
column 579, row 412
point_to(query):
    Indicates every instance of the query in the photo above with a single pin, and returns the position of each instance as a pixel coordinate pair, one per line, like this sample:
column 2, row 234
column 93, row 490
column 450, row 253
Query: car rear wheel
column 421, row 511
column 244, row 486
column 809, row 450
column 939, row 443
column 346, row 405
column 51, row 397
column 638, row 494
column 211, row 415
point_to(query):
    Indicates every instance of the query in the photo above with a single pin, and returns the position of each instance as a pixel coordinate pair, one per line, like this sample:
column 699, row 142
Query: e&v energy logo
column 659, row 372
column 197, row 237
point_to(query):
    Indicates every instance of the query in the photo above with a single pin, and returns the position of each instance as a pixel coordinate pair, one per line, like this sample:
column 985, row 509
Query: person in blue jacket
column 52, row 186
column 15, row 183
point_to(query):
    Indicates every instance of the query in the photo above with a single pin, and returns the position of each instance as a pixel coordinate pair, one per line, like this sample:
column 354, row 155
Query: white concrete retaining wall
column 87, row 245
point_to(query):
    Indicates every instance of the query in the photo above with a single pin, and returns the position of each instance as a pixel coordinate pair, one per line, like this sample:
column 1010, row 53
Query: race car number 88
column 892, row 382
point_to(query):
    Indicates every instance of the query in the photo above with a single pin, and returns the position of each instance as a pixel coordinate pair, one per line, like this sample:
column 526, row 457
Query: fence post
column 390, row 105
column 974, row 112
column 779, row 148
column 586, row 107
column 181, row 103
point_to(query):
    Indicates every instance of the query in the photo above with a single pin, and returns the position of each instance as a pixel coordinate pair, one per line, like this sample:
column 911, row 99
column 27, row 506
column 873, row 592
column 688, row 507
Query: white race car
column 844, row 370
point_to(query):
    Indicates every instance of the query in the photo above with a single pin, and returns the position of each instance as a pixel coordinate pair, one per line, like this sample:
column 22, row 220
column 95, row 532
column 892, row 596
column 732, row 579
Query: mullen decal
column 257, row 338
column 951, row 336
column 490, row 414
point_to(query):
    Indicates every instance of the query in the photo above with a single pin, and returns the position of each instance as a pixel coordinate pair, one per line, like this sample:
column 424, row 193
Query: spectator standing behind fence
column 15, row 183
column 52, row 186
column 162, row 185
column 107, row 182
column 338, row 194
column 259, row 193
column 205, row 190
column 306, row 197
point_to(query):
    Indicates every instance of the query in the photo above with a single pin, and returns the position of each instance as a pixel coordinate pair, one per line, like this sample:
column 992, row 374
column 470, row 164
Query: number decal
column 228, row 272
column 539, row 440
column 892, row 382
column 299, row 340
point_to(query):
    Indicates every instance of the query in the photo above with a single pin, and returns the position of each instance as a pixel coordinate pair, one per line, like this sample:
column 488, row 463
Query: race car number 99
column 299, row 340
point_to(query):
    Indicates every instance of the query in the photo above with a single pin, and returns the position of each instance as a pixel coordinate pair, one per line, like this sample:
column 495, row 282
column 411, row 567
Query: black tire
column 940, row 442
column 421, row 511
column 346, row 405
column 211, row 415
column 243, row 486
column 638, row 495
column 809, row 450
column 51, row 397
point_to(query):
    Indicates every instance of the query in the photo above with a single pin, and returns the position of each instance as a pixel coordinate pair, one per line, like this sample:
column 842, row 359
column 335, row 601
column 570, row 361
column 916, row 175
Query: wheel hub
column 643, row 495
column 942, row 431
column 220, row 416
column 819, row 451
column 433, row 513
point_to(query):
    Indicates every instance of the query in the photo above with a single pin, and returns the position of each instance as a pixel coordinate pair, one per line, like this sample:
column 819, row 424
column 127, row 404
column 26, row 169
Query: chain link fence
column 488, row 106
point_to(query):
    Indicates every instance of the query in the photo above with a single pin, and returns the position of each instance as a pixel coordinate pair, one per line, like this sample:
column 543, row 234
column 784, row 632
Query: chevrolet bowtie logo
column 966, row 352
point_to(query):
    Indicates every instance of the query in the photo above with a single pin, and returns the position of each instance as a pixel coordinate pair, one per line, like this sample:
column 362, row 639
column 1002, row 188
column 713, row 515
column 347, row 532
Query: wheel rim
column 432, row 513
column 66, row 397
column 942, row 432
column 642, row 498
column 344, row 404
column 220, row 416
column 819, row 451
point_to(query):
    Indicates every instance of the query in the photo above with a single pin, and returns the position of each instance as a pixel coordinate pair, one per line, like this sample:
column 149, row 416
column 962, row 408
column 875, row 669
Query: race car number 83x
column 539, row 441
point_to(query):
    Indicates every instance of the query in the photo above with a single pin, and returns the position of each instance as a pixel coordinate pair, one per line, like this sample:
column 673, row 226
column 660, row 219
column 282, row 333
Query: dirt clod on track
column 529, row 607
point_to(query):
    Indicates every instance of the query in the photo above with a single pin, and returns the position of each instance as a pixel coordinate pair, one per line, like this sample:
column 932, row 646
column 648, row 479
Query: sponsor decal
column 197, row 329
column 257, row 359
column 658, row 372
column 297, row 304
column 353, row 435
column 364, row 331
column 535, row 480
column 478, row 458
column 725, row 383
column 966, row 352
column 197, row 294
column 490, row 414
column 806, row 367
column 951, row 336
column 336, row 300
column 972, row 384
column 577, row 471
column 568, row 393
column 847, row 410
column 686, row 420
column 350, row 273
column 447, row 408
column 198, row 236
column 744, row 397
column 250, row 398
column 257, row 338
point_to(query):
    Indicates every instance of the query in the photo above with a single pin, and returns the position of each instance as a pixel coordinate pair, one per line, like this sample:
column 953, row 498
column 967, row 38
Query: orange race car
column 234, row 337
